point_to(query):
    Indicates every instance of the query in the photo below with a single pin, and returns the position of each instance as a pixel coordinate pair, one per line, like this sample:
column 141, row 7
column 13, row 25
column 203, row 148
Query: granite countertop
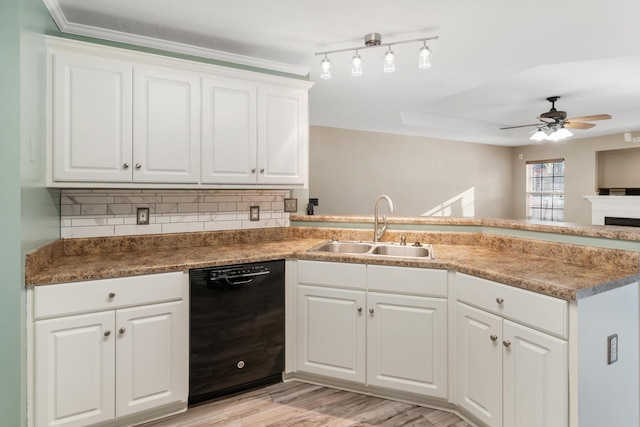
column 560, row 270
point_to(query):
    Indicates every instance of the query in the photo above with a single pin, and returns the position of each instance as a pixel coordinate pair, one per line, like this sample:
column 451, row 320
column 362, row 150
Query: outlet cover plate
column 254, row 213
column 142, row 216
column 290, row 205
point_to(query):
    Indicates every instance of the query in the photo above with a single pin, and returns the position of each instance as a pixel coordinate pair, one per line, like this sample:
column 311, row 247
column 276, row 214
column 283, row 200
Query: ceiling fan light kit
column 553, row 124
column 373, row 40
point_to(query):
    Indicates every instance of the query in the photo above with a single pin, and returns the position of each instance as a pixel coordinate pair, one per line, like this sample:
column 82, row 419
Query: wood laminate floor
column 299, row 404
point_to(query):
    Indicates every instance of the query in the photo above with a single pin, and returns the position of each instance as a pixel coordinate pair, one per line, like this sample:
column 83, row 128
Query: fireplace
column 615, row 210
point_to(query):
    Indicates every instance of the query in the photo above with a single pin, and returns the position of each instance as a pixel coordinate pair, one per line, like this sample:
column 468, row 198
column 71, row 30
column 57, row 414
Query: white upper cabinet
column 166, row 127
column 282, row 125
column 119, row 118
column 92, row 118
column 229, row 132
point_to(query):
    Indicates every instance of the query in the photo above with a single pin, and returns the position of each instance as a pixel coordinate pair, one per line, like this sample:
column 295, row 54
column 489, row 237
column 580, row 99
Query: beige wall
column 581, row 171
column 349, row 169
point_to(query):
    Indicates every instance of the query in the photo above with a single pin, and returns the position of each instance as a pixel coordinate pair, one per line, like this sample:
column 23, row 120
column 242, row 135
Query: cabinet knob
column 499, row 300
column 107, row 333
column 371, row 311
column 138, row 165
column 125, row 165
column 261, row 170
column 122, row 330
column 359, row 309
column 112, row 295
column 506, row 343
column 494, row 338
column 253, row 170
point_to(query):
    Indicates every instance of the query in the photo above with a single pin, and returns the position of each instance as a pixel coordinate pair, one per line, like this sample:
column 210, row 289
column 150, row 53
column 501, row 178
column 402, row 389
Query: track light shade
column 356, row 65
column 325, row 65
column 424, row 57
column 389, row 61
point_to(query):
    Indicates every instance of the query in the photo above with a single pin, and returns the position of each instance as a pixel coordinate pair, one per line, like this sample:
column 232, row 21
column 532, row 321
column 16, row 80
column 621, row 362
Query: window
column 545, row 190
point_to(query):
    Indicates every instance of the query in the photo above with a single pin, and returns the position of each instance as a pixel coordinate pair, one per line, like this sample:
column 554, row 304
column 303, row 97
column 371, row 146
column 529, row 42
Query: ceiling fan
column 554, row 122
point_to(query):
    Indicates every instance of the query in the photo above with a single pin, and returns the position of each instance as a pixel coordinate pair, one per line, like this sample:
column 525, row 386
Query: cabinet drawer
column 338, row 274
column 536, row 310
column 107, row 294
column 415, row 281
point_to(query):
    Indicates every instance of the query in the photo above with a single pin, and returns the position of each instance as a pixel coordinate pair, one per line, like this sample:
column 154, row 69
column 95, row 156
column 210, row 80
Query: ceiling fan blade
column 578, row 125
column 590, row 118
column 523, row 126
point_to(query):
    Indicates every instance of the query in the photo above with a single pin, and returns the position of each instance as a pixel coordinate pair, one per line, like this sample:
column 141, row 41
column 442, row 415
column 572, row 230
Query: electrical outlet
column 142, row 216
column 254, row 213
column 612, row 349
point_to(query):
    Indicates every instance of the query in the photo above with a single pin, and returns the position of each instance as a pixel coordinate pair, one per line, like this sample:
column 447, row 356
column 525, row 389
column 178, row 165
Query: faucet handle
column 403, row 241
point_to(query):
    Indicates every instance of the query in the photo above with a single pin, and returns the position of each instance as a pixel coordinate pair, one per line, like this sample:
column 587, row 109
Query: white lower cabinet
column 75, row 370
column 395, row 341
column 507, row 374
column 407, row 343
column 331, row 332
column 116, row 362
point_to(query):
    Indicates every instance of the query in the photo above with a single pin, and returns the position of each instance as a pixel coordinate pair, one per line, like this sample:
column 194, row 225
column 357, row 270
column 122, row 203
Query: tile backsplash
column 104, row 212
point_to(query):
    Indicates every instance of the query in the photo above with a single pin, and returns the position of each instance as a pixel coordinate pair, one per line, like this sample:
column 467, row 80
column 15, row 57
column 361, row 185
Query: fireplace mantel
column 613, row 206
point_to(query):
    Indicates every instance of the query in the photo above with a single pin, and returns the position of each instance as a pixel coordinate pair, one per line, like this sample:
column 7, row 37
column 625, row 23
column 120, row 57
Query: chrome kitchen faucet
column 378, row 232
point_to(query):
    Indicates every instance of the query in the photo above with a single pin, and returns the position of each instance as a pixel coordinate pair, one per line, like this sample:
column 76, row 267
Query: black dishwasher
column 236, row 338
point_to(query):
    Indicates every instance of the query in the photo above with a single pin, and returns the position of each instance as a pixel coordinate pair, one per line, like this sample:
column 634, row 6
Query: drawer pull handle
column 359, row 309
column 499, row 300
column 112, row 295
column 107, row 333
column 506, row 343
column 125, row 165
column 122, row 330
column 138, row 165
column 494, row 338
column 371, row 311
column 253, row 170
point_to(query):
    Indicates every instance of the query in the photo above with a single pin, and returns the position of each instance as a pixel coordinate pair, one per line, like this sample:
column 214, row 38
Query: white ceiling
column 493, row 66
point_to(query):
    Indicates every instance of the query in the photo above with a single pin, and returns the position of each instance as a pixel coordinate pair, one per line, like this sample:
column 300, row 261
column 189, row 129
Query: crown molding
column 117, row 36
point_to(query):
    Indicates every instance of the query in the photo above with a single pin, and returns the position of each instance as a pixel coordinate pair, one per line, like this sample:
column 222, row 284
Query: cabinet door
column 283, row 135
column 74, row 370
column 152, row 357
column 229, row 135
column 407, row 343
column 91, row 115
column 331, row 332
column 478, row 373
column 166, row 129
column 535, row 378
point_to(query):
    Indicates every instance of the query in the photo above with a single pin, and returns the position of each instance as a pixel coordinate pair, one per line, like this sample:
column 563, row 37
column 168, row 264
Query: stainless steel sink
column 375, row 249
column 335, row 246
column 425, row 251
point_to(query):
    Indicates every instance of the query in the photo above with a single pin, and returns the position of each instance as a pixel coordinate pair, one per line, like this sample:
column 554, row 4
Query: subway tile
column 91, row 209
column 97, row 231
column 182, row 227
column 119, row 209
column 125, row 230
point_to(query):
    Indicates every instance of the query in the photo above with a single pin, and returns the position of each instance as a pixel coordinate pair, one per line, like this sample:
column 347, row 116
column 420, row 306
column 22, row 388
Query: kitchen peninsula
column 575, row 286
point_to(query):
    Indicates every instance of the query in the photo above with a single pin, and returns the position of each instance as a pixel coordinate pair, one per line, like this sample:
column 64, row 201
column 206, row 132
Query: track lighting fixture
column 424, row 57
column 372, row 40
column 389, row 61
column 325, row 65
column 356, row 65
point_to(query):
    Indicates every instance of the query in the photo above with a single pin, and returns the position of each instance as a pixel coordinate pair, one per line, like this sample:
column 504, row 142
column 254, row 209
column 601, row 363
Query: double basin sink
column 416, row 250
